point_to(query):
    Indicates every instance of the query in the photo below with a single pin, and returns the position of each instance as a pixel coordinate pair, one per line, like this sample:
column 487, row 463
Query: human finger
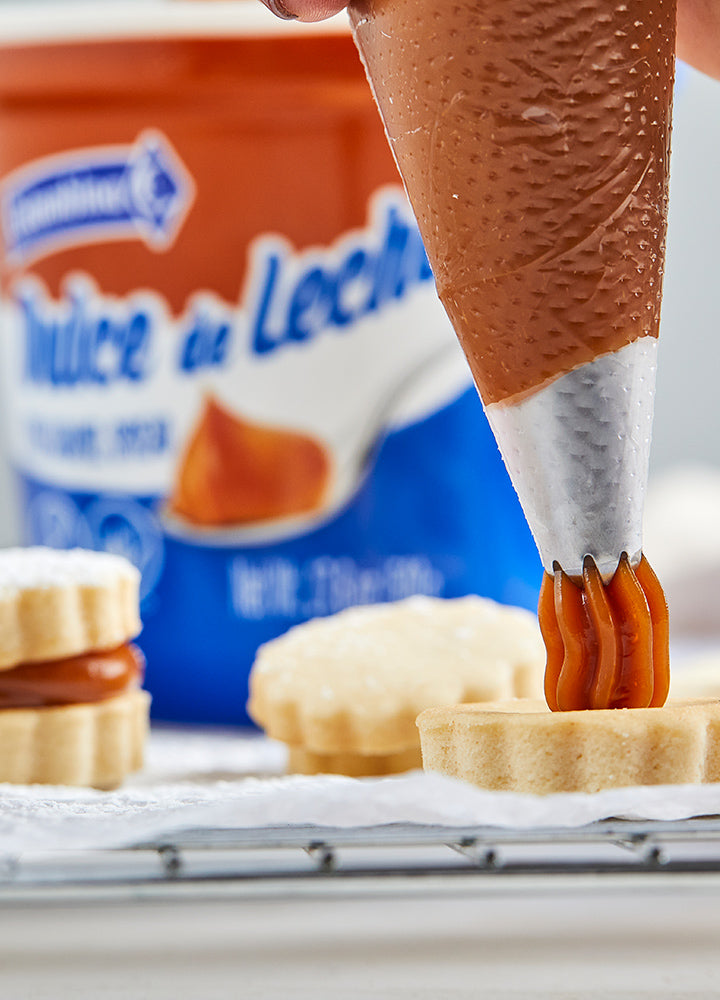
column 305, row 10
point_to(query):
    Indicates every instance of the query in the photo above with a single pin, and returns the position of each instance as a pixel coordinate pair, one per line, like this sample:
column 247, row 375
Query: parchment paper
column 224, row 780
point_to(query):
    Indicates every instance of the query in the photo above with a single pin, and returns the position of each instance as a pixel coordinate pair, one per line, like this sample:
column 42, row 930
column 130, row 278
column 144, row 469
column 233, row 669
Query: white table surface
column 643, row 937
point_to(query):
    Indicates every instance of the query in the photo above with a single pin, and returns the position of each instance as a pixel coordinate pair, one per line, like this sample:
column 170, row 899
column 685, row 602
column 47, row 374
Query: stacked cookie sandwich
column 72, row 711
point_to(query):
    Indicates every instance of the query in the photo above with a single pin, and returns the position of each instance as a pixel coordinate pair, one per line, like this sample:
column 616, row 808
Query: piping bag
column 533, row 139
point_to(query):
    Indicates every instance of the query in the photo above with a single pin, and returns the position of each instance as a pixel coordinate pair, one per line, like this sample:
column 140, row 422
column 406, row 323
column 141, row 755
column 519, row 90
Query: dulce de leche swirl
column 607, row 645
column 533, row 139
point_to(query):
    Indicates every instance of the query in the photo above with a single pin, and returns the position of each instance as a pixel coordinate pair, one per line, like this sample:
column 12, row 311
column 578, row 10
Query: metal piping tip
column 578, row 452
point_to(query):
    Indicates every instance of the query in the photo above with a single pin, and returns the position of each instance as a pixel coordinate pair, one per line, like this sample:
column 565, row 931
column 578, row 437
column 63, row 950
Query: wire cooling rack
column 371, row 859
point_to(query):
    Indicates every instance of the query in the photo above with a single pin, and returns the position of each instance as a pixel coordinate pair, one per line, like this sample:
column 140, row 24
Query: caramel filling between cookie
column 607, row 645
column 89, row 677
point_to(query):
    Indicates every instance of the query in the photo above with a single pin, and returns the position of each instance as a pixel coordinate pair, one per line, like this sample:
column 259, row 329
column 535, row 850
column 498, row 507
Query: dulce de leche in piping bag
column 533, row 140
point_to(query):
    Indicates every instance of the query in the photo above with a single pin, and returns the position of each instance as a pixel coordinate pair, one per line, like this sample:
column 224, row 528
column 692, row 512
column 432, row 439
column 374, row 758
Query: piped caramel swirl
column 607, row 644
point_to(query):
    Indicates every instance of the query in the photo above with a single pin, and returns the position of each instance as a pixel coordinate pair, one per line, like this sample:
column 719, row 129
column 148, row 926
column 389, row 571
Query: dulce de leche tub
column 222, row 351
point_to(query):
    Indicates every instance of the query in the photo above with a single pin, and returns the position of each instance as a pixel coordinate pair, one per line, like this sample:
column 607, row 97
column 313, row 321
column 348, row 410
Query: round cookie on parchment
column 71, row 707
column 344, row 691
column 521, row 746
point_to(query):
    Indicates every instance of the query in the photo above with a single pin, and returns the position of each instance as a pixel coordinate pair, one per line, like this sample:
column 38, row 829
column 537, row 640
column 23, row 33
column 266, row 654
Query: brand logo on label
column 141, row 192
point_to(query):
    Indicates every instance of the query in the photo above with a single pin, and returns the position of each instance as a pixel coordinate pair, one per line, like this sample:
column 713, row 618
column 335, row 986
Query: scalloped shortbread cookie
column 521, row 746
column 355, row 765
column 54, row 604
column 95, row 745
column 353, row 684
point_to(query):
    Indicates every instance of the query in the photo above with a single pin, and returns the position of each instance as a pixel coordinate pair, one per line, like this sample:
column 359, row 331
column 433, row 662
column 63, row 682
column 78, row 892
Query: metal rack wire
column 320, row 859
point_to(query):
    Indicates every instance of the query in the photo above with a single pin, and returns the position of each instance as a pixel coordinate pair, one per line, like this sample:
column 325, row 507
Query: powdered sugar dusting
column 44, row 568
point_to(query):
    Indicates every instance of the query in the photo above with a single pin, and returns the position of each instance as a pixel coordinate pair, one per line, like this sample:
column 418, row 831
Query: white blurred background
column 687, row 408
